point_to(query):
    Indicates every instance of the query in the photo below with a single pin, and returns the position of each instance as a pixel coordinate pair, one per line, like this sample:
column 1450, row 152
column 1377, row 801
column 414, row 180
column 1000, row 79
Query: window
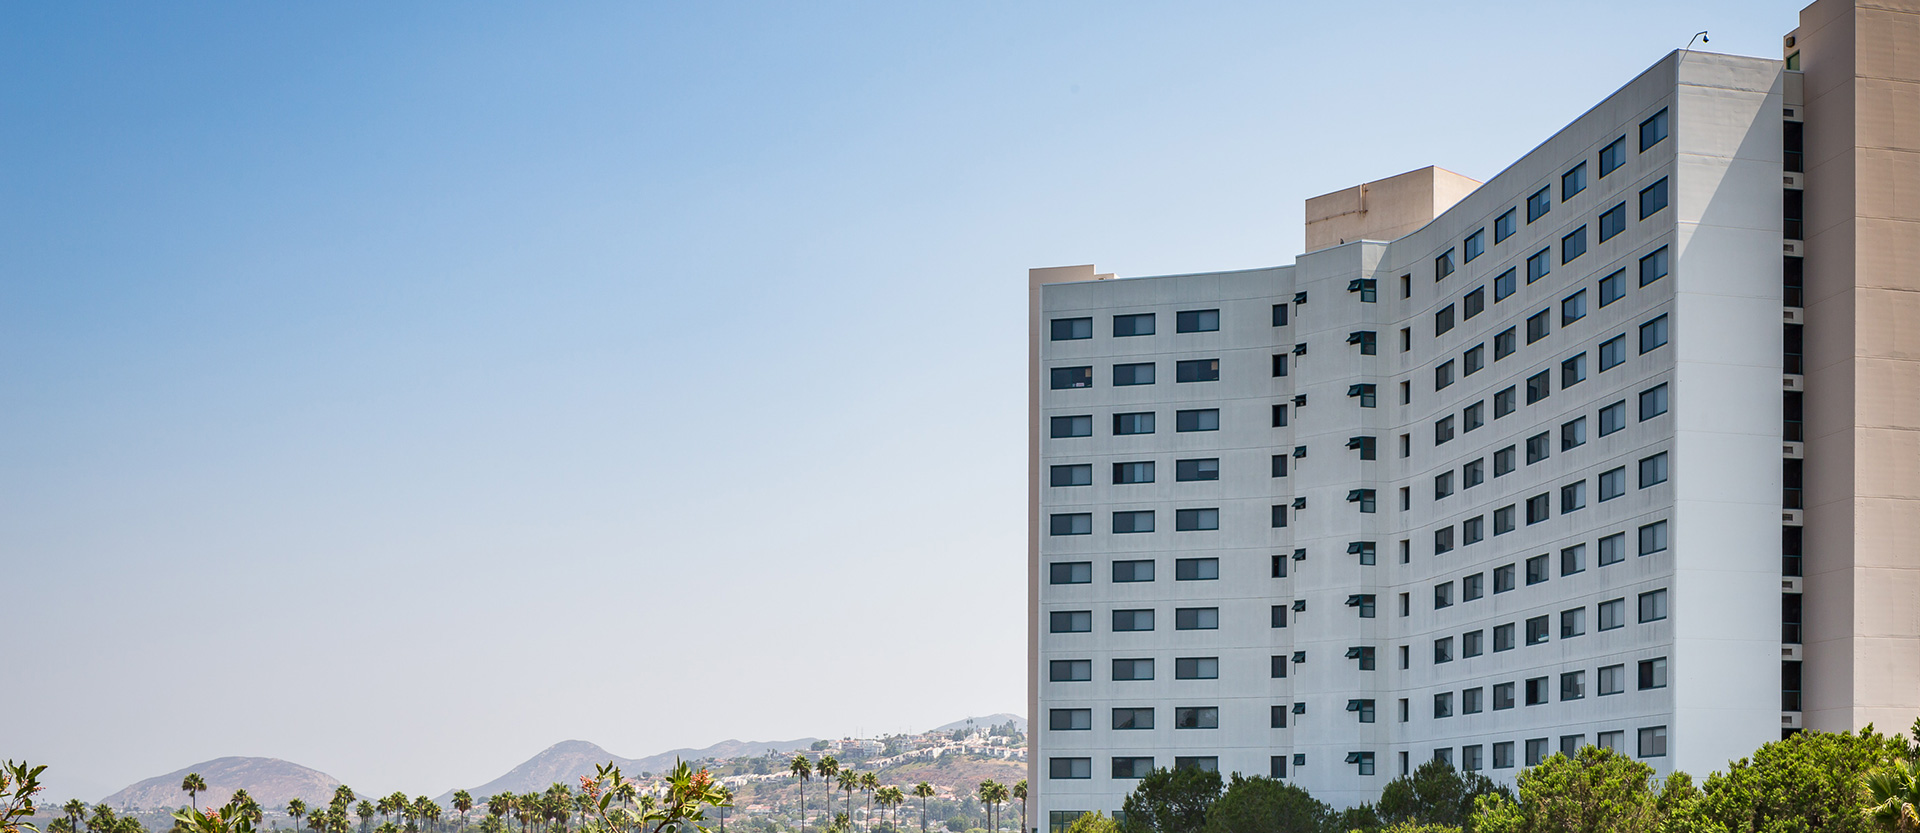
column 1443, row 540
column 1573, row 181
column 1207, row 419
column 1363, row 762
column 1277, row 616
column 1443, row 320
column 1443, row 265
column 1369, row 343
column 1653, row 470
column 1196, row 717
column 1442, row 485
column 1196, row 668
column 1613, row 549
column 1503, row 518
column 1369, row 289
column 1140, row 324
column 1473, row 473
column 1573, row 497
column 1365, row 656
column 1278, row 670
column 1573, row 308
column 1537, row 696
column 1502, row 695
column 1472, row 644
column 1503, row 226
column 1279, row 465
column 1363, row 708
column 1653, row 402
column 1196, row 569
column 1132, row 374
column 1504, row 285
column 1443, row 595
column 1070, row 720
column 1653, row 673
column 1653, row 538
column 1613, row 156
column 1196, row 619
column 1573, row 370
column 1197, row 321
column 1503, row 755
column 1133, row 621
column 1132, row 768
column 1613, row 222
column 1443, row 705
column 1613, row 484
column 1194, row 520
column 1613, row 287
column 1366, row 445
column 1279, row 416
column 1536, row 570
column 1132, row 571
column 1127, row 473
column 1070, row 670
column 1072, row 426
column 1072, row 377
column 1064, row 768
column 1536, row 751
column 1573, row 685
column 1537, row 632
column 1573, row 559
column 1443, row 375
column 1539, row 265
column 1612, row 679
column 1077, row 523
column 1202, row 469
column 1539, row 325
column 1364, row 497
column 1539, row 203
column 1504, row 344
column 1613, row 351
column 1654, row 266
column 1443, row 430
column 1279, row 315
column 1279, row 364
column 1503, row 403
column 1442, row 651
column 1653, row 198
column 1075, row 475
column 1573, row 245
column 1653, row 739
column 1132, row 669
column 1653, row 130
column 1473, row 587
column 1614, row 741
column 1071, row 329
column 1613, row 614
column 1538, row 447
column 1197, row 370
column 1503, row 641
column 1278, row 518
column 1573, row 434
column 1139, row 423
column 1132, row 719
column 1573, row 623
column 1653, row 606
column 1070, row 621
column 1539, row 386
column 1070, row 572
column 1130, row 522
column 1473, row 360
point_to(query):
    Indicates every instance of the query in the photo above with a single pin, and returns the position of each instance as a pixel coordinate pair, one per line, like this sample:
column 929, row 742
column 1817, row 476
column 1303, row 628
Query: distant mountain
column 987, row 722
column 270, row 781
column 565, row 762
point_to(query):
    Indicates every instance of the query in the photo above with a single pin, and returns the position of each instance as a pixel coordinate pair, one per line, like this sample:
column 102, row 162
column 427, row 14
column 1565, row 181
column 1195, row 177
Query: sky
column 400, row 389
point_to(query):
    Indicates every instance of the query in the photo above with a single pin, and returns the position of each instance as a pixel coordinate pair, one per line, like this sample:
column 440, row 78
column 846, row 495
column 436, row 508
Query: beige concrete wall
column 1384, row 209
column 1861, row 60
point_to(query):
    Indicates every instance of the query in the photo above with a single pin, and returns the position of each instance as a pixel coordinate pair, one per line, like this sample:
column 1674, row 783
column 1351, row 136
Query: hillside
column 270, row 781
column 985, row 722
column 565, row 762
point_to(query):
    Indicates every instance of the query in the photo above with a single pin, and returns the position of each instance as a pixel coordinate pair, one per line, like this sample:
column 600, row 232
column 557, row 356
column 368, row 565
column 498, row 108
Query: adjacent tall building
column 1621, row 447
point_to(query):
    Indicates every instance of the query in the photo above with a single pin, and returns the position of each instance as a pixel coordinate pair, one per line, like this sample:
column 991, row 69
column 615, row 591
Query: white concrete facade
column 1710, row 506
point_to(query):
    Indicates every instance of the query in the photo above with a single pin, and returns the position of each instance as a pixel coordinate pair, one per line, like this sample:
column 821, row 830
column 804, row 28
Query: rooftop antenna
column 1700, row 36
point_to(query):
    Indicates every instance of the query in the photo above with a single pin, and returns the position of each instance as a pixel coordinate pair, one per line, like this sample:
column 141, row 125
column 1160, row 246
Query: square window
column 1195, row 520
column 1653, row 130
column 1207, row 419
column 1539, row 386
column 1573, row 245
column 1140, row 324
column 1613, row 484
column 1654, row 266
column 1539, row 203
column 1128, row 424
column 1504, row 285
column 1653, row 739
column 1538, row 447
column 1443, row 375
column 1279, row 315
column 1502, row 696
column 1613, row 614
column 1279, row 416
column 1537, row 694
column 1503, row 461
column 1071, row 426
column 1202, row 469
column 1653, row 538
column 1197, row 321
column 1613, row 156
column 1443, row 265
column 1653, row 673
column 1573, row 370
column 1539, row 264
column 1536, row 751
column 1573, row 559
column 1443, row 430
column 1277, row 669
column 1070, row 572
column 1278, row 518
column 1614, row 741
column 1503, row 579
column 1070, row 329
column 1503, row 520
column 1443, row 704
column 1473, row 530
column 1280, row 465
column 1573, row 308
column 1443, row 595
column 1653, row 402
column 1613, row 351
column 1074, row 475
column 1613, row 221
column 1442, row 485
column 1132, row 571
column 1613, row 418
column 1442, row 652
column 1443, row 320
column 1613, row 549
column 1443, row 540
column 1473, row 360
column 1503, row 755
column 1573, row 182
column 1473, row 644
column 1653, row 198
column 1473, row 473
column 1653, row 606
column 1503, row 641
column 1573, row 497
column 1196, row 569
column 1613, row 287
column 1612, row 680
column 1474, row 245
column 1653, row 470
column 1573, row 623
column 1503, row 402
column 1197, row 370
column 1473, row 416
column 1573, row 685
column 1473, row 587
column 1539, row 325
column 1474, row 303
column 1503, row 226
column 1573, row 434
column 1536, row 570
column 1132, row 374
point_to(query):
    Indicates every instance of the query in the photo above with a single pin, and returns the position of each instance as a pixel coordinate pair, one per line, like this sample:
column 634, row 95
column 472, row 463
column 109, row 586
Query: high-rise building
column 1497, row 470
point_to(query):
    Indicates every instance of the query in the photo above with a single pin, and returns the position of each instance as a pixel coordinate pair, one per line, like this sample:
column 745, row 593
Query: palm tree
column 869, row 783
column 1020, row 794
column 499, row 805
column 890, row 800
column 828, row 768
column 76, row 811
column 193, row 785
column 848, row 782
column 295, row 809
column 923, row 791
column 991, row 794
column 1894, row 794
column 365, row 811
column 317, row 822
column 462, row 802
column 342, row 799
column 802, row 769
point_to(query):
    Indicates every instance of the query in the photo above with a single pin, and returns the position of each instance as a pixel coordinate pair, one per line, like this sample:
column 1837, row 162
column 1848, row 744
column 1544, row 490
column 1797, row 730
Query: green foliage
column 226, row 820
column 681, row 808
column 1893, row 798
column 1170, row 801
column 1808, row 782
column 1093, row 823
column 1600, row 790
column 1411, row 827
column 1262, row 805
column 19, row 783
column 1361, row 818
column 1435, row 794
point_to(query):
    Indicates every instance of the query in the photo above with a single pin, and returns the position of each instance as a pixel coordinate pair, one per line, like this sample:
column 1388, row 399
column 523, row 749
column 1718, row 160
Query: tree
column 462, row 802
column 1599, row 790
column 1262, row 805
column 923, row 791
column 75, row 811
column 19, row 783
column 869, row 784
column 1809, row 780
column 366, row 812
column 828, row 768
column 1093, row 823
column 1893, row 798
column 849, row 781
column 192, row 820
column 296, row 809
column 1170, row 801
column 1436, row 793
column 1020, row 795
column 993, row 794
column 802, row 769
column 193, row 785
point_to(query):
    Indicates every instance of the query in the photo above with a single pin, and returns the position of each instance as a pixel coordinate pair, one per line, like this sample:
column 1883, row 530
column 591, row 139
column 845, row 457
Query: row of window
column 1136, row 373
column 1142, row 324
column 1610, row 484
column 1611, row 222
column 1134, row 423
column 1539, row 325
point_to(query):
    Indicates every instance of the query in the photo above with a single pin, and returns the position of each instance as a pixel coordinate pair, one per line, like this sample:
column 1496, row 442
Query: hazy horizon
column 401, row 390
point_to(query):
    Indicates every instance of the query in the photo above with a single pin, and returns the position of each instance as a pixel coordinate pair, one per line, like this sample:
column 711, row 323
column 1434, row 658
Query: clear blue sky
column 399, row 389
